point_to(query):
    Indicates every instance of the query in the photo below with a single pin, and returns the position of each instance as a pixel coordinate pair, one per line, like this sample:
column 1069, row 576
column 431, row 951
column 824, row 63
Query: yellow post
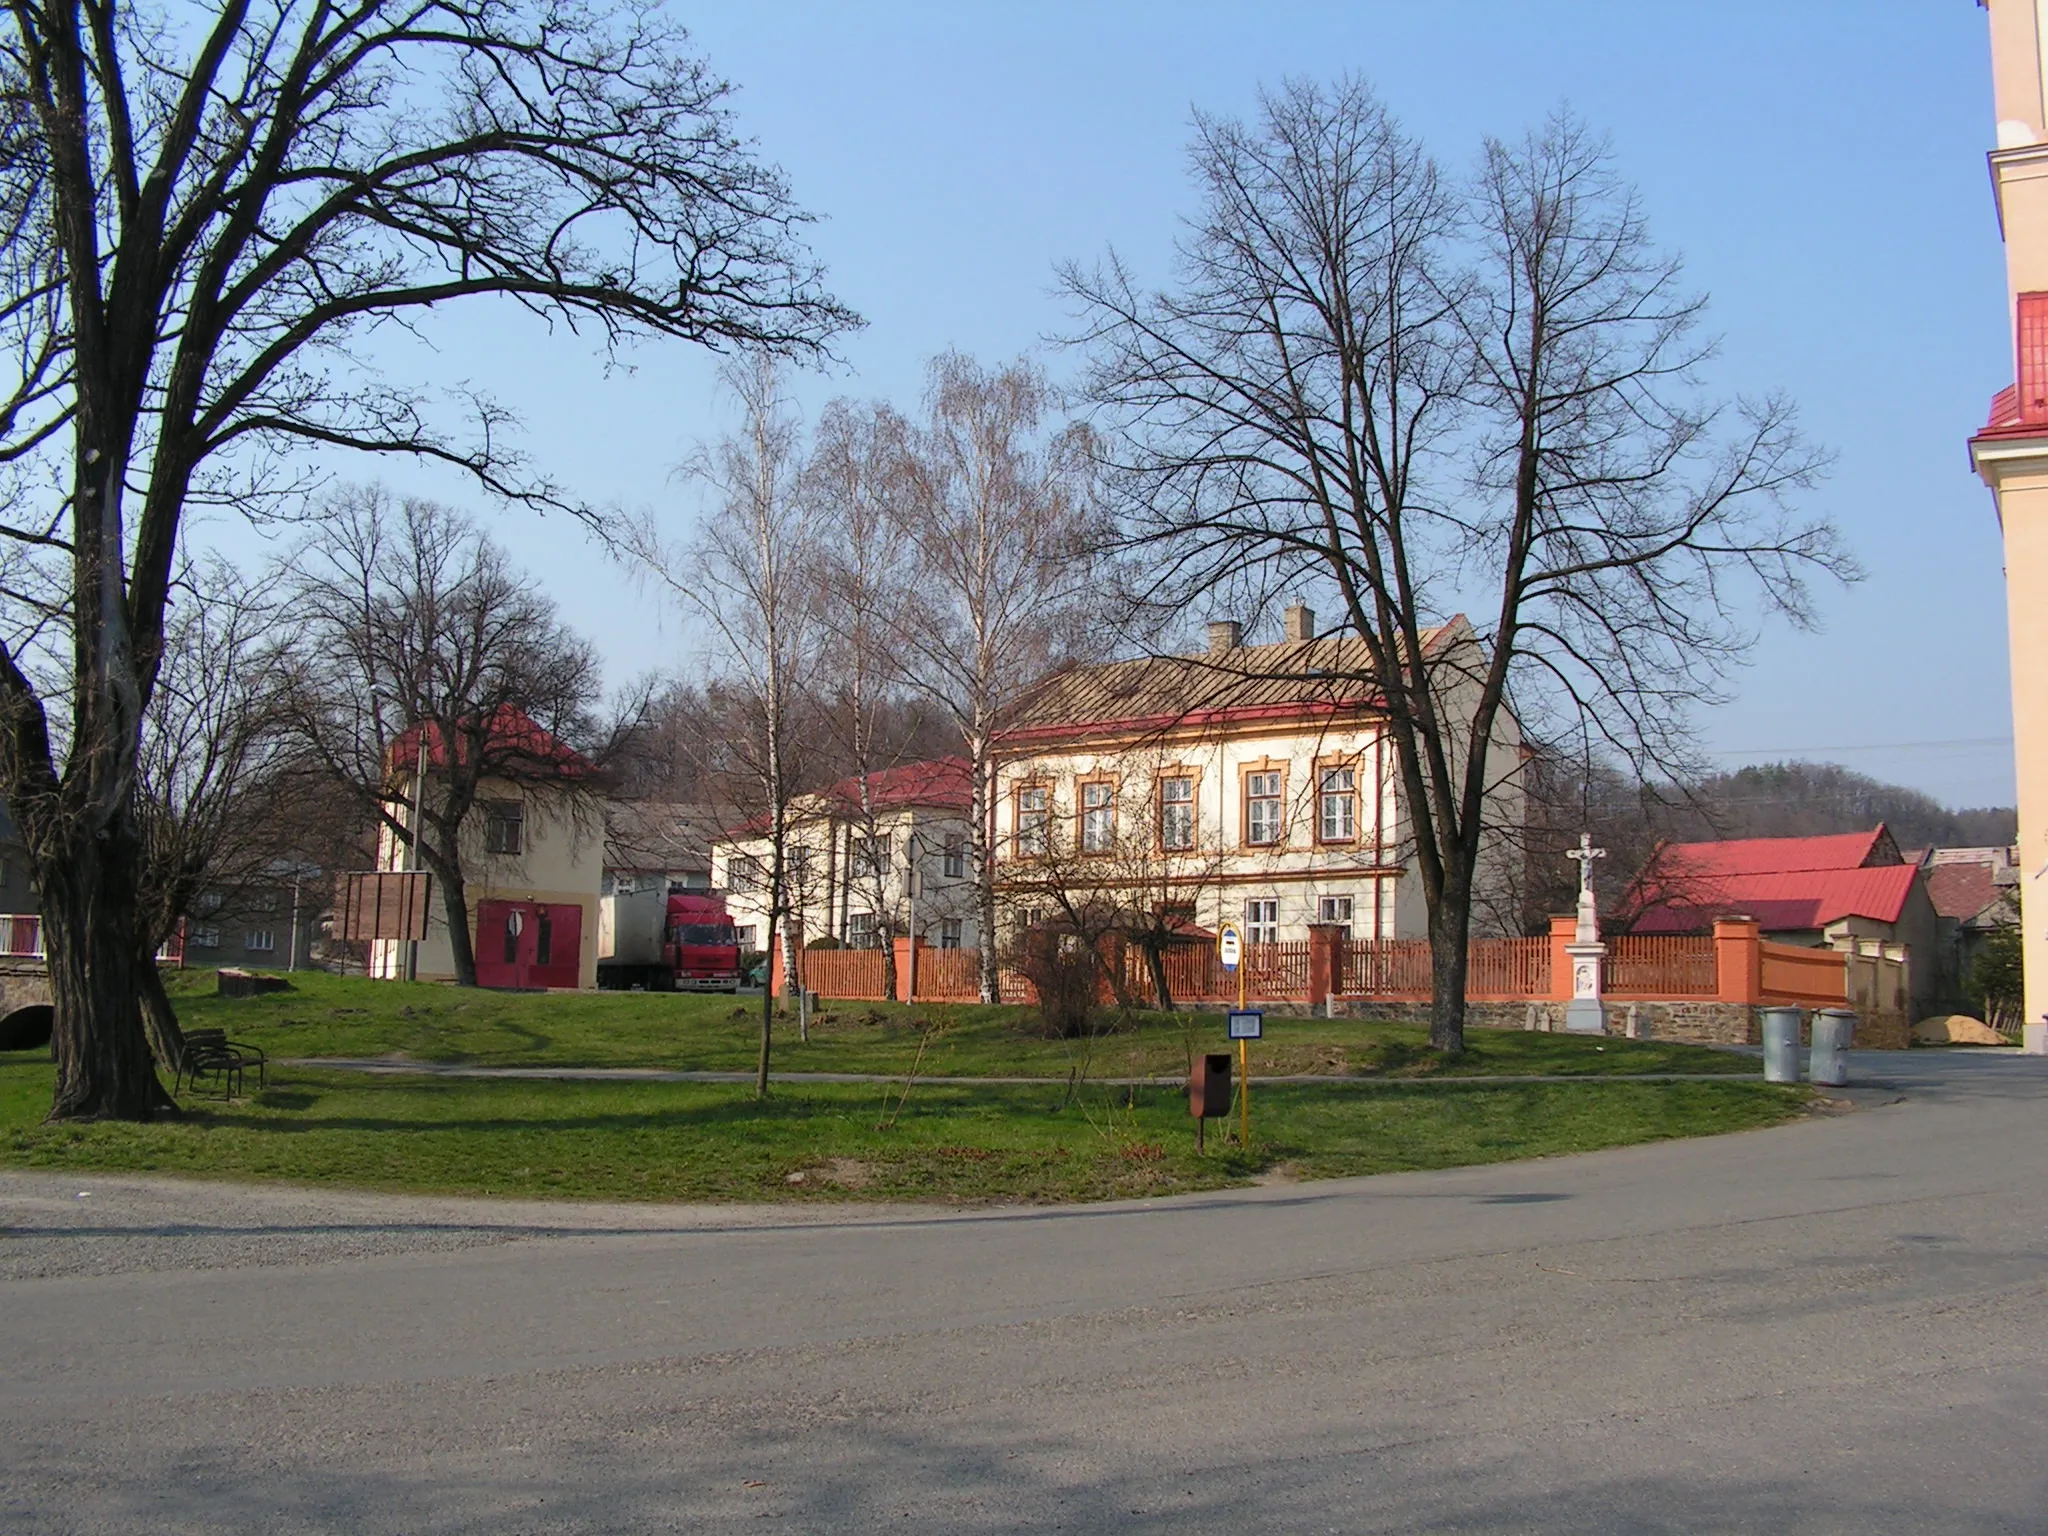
column 1244, row 1074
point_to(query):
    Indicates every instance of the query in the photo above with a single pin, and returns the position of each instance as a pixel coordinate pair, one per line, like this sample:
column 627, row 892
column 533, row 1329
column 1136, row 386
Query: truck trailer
column 676, row 941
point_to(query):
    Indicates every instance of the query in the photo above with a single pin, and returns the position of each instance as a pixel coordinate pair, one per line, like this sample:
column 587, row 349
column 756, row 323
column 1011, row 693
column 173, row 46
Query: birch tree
column 749, row 574
column 997, row 494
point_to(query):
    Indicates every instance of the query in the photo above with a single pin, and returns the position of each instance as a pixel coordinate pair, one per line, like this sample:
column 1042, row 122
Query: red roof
column 1783, row 882
column 512, row 735
column 1792, row 899
column 1770, row 855
column 944, row 783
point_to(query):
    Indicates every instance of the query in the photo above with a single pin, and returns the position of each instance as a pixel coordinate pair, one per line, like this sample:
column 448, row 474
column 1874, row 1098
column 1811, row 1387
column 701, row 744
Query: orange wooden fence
column 1656, row 965
column 1792, row 973
column 1733, row 964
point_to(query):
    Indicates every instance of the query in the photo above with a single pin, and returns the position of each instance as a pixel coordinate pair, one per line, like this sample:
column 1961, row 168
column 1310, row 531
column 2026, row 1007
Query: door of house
column 526, row 944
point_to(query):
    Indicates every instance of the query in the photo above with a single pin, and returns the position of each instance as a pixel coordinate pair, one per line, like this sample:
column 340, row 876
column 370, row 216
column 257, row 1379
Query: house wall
column 2016, row 468
column 1225, row 870
column 828, row 899
column 1376, row 869
column 561, row 863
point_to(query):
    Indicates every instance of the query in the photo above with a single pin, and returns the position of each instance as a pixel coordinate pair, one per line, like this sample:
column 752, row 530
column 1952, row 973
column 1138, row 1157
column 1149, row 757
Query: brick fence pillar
column 906, row 967
column 1738, row 960
column 1564, row 929
column 1325, row 960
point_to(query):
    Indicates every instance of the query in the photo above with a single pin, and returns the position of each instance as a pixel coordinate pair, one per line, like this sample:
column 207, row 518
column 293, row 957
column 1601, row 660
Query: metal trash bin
column 1828, row 1060
column 1781, row 1045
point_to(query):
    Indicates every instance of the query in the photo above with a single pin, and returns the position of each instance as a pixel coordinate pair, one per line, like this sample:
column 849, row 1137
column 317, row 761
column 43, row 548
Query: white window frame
column 1262, row 920
column 1177, row 813
column 1341, row 910
column 951, row 931
column 954, row 856
column 1337, row 803
column 260, row 941
column 1098, row 816
column 1271, row 803
column 1034, row 821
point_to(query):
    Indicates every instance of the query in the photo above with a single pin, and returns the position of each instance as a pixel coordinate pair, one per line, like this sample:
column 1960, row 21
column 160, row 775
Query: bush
column 1063, row 973
column 828, row 942
column 1994, row 986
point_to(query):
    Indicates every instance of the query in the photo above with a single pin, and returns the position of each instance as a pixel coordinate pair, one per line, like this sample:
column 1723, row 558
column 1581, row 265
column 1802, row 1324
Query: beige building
column 2011, row 452
column 533, row 858
column 1252, row 783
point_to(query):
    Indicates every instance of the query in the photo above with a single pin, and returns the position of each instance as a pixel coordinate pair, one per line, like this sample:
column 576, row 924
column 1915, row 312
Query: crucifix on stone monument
column 1589, row 908
column 1584, row 1014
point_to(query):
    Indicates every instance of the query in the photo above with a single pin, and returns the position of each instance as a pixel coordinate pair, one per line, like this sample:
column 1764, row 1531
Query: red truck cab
column 699, row 947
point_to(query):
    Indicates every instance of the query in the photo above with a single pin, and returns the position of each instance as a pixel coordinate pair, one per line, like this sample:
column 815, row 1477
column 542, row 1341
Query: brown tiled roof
column 1291, row 678
column 1961, row 891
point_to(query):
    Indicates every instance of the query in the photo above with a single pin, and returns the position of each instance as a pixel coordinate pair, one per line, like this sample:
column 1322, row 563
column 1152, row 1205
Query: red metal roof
column 1766, row 855
column 512, row 735
column 1807, row 898
column 1783, row 882
column 943, row 783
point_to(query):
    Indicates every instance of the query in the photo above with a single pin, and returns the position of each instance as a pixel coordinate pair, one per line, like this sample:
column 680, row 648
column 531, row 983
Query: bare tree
column 1425, row 395
column 999, row 501
column 208, row 769
column 865, row 591
column 1126, row 874
column 423, row 670
column 198, row 243
column 748, row 574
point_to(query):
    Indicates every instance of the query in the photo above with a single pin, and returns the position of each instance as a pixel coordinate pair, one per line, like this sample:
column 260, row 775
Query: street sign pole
column 1230, row 953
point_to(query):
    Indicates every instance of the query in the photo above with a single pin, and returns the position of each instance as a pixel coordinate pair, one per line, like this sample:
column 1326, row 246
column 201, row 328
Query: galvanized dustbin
column 1828, row 1061
column 1781, row 1045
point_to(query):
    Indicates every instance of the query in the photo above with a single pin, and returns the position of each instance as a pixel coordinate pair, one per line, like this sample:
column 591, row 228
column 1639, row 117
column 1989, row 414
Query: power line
column 1870, row 746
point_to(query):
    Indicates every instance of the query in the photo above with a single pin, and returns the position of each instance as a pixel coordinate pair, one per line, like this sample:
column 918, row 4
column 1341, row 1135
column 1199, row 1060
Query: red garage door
column 526, row 944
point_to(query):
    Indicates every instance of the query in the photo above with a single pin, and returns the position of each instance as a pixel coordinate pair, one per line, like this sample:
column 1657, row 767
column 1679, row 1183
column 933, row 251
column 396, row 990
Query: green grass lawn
column 337, row 1016
column 694, row 1141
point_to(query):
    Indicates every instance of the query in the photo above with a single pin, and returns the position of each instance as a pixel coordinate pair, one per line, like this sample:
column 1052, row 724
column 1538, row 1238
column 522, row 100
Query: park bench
column 210, row 1053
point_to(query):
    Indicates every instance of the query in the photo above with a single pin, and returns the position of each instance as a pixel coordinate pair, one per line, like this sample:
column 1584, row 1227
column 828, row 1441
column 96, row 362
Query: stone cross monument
column 1583, row 1015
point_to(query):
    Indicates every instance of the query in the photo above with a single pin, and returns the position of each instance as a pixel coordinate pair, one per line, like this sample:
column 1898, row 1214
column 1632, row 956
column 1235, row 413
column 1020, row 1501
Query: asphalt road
column 1835, row 1326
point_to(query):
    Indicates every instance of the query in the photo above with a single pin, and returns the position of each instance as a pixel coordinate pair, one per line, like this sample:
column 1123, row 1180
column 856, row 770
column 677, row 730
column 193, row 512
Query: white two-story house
column 864, row 862
column 1247, row 782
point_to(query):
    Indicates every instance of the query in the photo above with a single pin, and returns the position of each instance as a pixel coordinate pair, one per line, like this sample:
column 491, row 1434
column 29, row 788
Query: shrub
column 1063, row 974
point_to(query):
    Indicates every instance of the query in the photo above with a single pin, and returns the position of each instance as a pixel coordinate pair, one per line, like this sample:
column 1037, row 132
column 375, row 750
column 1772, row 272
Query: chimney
column 1225, row 635
column 1300, row 623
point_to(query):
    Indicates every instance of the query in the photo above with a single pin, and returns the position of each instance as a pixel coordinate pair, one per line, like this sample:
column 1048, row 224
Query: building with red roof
column 870, row 858
column 533, row 851
column 1831, row 890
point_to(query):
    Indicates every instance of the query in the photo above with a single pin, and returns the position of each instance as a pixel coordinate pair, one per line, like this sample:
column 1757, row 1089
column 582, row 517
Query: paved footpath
column 1834, row 1326
column 387, row 1066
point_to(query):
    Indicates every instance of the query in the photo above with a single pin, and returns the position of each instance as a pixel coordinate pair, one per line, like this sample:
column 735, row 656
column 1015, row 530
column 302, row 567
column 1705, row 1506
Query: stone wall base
column 1691, row 1023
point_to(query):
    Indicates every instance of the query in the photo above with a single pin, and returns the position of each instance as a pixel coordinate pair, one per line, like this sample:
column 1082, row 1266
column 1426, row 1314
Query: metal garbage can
column 1781, row 1045
column 1828, row 1060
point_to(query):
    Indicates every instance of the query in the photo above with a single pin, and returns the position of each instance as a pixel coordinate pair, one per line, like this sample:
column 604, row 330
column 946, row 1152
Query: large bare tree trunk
column 104, row 1070
column 455, row 911
column 1450, row 924
column 159, row 1018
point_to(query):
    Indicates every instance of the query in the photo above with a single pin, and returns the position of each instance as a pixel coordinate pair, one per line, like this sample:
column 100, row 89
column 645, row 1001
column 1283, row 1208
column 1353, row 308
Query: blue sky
column 1819, row 165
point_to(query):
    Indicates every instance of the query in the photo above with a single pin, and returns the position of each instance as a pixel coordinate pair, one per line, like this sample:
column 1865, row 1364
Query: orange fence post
column 1738, row 960
column 1564, row 929
column 906, row 967
column 1325, row 961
